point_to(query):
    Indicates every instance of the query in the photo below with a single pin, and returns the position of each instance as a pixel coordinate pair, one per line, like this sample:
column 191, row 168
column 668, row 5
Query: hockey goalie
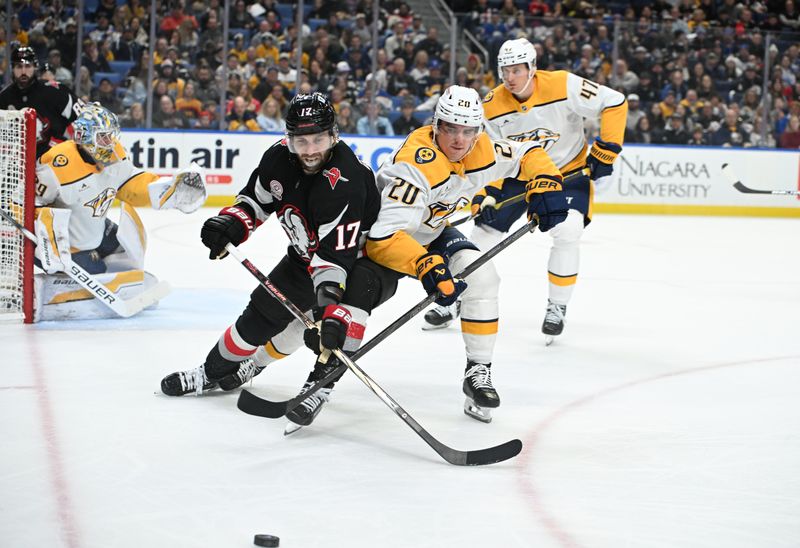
column 77, row 182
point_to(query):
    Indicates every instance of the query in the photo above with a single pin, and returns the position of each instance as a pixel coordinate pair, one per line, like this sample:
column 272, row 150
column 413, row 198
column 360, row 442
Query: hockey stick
column 253, row 405
column 122, row 307
column 515, row 199
column 727, row 170
column 490, row 455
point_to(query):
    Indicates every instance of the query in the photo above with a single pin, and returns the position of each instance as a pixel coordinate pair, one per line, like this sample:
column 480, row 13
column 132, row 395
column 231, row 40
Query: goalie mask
column 97, row 131
column 457, row 121
column 24, row 64
column 517, row 52
column 311, row 130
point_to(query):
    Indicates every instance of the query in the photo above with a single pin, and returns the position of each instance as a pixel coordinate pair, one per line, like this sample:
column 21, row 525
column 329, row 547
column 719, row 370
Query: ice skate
column 553, row 321
column 305, row 413
column 481, row 395
column 181, row 383
column 247, row 370
column 440, row 317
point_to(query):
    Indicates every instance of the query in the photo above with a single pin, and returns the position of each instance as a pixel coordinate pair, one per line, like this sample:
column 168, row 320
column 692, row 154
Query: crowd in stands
column 694, row 71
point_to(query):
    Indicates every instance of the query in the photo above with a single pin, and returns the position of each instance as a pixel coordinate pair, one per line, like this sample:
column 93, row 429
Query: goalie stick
column 122, row 307
column 253, row 405
column 489, row 455
column 727, row 170
column 516, row 199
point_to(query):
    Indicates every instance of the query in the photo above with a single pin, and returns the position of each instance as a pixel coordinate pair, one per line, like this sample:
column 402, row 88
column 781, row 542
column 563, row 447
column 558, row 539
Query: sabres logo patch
column 425, row 155
column 60, row 160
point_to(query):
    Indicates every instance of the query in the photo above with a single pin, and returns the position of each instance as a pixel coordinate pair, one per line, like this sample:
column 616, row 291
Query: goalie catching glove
column 547, row 202
column 436, row 278
column 185, row 192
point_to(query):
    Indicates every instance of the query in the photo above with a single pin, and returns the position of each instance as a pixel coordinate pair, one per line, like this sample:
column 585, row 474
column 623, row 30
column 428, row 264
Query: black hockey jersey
column 56, row 108
column 326, row 215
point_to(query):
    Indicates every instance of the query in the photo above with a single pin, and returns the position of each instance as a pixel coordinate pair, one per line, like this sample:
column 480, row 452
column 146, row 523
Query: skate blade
column 548, row 340
column 291, row 428
column 482, row 414
column 430, row 327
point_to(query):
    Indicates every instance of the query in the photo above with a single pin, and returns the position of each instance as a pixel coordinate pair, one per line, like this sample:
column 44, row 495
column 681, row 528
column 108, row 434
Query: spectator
column 430, row 44
column 173, row 21
column 698, row 137
column 133, row 117
column 644, row 133
column 91, row 58
column 61, row 74
column 189, row 104
column 372, row 123
column 167, row 117
column 675, row 134
column 406, row 123
column 206, row 88
column 167, row 75
column 345, row 119
column 106, row 95
column 420, row 69
column 240, row 18
column 394, row 43
column 286, row 74
column 400, row 82
column 241, row 119
column 269, row 119
column 790, row 138
column 634, row 112
column 731, row 133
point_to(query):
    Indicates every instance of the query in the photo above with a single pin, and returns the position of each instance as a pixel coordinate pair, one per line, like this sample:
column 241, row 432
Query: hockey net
column 17, row 164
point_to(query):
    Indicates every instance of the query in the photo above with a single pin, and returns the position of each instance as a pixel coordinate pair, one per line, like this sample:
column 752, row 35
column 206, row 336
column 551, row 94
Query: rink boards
column 647, row 179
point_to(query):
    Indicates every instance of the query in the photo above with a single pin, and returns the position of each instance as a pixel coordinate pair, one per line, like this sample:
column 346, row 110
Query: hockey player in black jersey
column 326, row 201
column 56, row 107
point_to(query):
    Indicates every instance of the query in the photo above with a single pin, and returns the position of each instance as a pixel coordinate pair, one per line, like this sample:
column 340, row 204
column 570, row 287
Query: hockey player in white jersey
column 77, row 181
column 547, row 108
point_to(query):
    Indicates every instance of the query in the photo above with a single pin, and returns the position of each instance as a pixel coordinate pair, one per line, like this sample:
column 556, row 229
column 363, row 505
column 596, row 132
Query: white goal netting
column 15, row 264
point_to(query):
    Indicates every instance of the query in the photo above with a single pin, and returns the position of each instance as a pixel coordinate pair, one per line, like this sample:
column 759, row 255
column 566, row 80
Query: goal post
column 17, row 179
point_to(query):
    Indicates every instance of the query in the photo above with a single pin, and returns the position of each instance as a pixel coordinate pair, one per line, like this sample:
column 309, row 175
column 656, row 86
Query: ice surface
column 667, row 415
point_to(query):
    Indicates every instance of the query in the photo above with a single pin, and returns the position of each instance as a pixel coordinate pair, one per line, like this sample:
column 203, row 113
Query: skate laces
column 193, row 379
column 247, row 370
column 450, row 311
column 315, row 399
column 555, row 313
column 480, row 376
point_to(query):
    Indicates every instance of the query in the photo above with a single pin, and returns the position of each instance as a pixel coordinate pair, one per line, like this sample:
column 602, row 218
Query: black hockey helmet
column 310, row 114
column 24, row 55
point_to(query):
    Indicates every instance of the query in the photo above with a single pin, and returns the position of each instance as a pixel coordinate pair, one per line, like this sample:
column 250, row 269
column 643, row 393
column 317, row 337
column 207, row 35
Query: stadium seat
column 88, row 27
column 314, row 24
column 424, row 116
column 285, row 11
column 121, row 67
column 113, row 76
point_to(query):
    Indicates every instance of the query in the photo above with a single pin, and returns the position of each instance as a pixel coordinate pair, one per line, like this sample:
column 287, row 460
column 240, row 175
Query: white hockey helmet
column 516, row 52
column 459, row 105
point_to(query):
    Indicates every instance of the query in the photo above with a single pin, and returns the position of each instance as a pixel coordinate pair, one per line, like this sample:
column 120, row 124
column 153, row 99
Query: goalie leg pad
column 52, row 252
column 132, row 239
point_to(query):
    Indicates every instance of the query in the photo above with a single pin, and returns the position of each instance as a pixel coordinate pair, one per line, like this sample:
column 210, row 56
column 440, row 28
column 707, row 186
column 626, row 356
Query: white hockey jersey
column 421, row 188
column 67, row 179
column 553, row 115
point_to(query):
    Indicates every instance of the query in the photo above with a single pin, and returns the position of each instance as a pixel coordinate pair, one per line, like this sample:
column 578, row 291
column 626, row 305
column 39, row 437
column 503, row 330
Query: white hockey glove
column 186, row 191
column 52, row 231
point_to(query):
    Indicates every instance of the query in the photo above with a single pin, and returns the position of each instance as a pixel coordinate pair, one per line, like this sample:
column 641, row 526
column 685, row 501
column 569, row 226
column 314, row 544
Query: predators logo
column 545, row 137
column 424, row 155
column 102, row 202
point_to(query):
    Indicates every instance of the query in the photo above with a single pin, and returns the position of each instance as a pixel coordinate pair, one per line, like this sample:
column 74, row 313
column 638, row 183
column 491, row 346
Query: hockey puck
column 266, row 540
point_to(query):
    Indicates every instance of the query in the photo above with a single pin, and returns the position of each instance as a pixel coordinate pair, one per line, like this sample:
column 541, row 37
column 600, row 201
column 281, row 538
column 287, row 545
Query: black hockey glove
column 546, row 201
column 436, row 278
column 601, row 159
column 233, row 225
column 484, row 205
column 333, row 321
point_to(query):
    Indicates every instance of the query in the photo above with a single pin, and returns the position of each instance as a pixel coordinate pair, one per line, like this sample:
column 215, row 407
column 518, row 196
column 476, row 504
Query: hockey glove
column 547, row 202
column 484, row 203
column 436, row 278
column 601, row 159
column 233, row 225
column 331, row 331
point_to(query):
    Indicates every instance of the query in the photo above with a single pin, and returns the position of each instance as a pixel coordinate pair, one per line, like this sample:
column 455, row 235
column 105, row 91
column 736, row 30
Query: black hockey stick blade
column 504, row 451
column 727, row 170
